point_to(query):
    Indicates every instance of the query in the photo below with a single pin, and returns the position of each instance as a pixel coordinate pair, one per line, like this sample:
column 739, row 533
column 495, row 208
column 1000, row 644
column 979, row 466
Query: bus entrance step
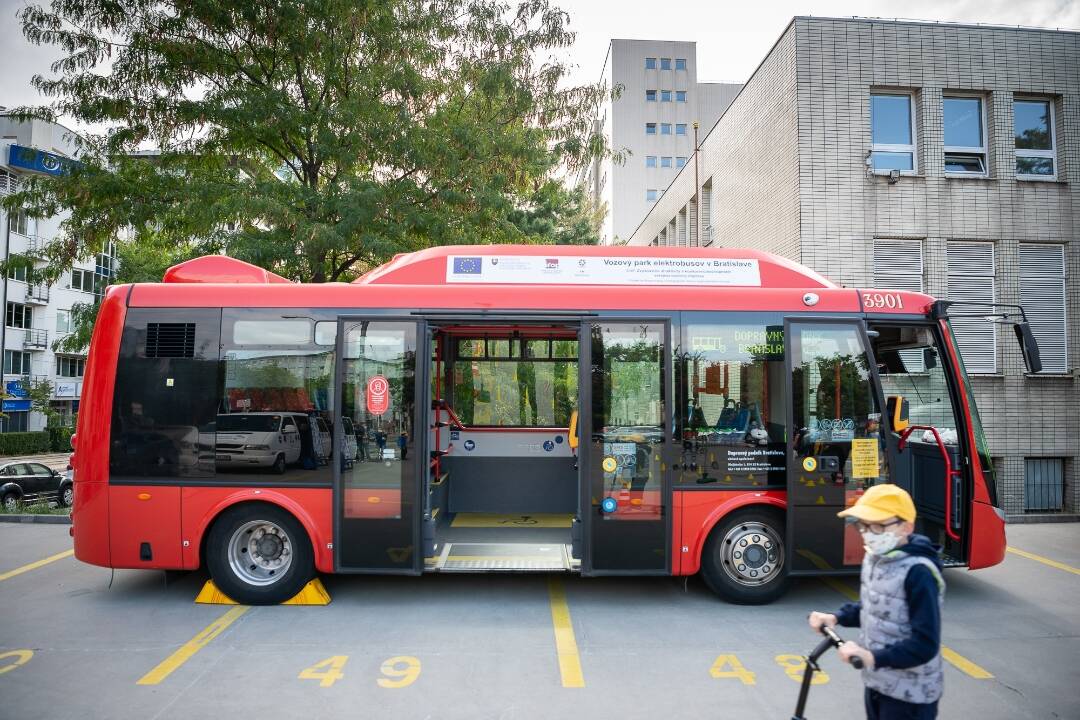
column 311, row 594
column 501, row 557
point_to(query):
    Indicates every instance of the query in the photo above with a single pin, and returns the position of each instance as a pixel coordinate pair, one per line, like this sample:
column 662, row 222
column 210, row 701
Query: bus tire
column 259, row 554
column 744, row 557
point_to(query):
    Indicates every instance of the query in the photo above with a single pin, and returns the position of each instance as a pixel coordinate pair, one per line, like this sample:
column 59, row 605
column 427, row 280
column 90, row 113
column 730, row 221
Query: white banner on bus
column 574, row 270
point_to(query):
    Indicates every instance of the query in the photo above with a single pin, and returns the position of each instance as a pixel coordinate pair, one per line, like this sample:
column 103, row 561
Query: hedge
column 60, row 438
column 25, row 443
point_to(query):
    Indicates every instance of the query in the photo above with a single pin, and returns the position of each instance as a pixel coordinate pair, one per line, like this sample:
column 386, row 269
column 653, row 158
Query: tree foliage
column 313, row 138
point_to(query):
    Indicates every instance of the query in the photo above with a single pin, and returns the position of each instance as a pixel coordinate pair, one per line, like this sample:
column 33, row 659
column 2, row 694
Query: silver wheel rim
column 69, row 496
column 11, row 503
column 752, row 554
column 260, row 552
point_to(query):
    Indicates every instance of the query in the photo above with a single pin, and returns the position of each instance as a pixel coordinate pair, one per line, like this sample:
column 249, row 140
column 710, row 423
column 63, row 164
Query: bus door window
column 913, row 374
column 731, row 421
column 628, row 405
column 837, row 440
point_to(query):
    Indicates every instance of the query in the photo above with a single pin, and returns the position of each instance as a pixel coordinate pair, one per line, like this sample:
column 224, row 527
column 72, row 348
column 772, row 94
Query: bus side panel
column 987, row 536
column 90, row 514
column 311, row 506
column 702, row 510
column 151, row 524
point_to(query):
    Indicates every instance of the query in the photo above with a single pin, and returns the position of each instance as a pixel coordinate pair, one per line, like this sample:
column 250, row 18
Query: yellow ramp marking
column 565, row 642
column 960, row 662
column 36, row 565
column 1031, row 556
column 192, row 646
column 964, row 665
column 489, row 520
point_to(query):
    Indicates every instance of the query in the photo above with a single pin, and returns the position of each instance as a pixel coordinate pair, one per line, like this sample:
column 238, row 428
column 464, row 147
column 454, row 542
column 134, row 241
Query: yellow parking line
column 565, row 642
column 958, row 661
column 36, row 565
column 192, row 646
column 1040, row 558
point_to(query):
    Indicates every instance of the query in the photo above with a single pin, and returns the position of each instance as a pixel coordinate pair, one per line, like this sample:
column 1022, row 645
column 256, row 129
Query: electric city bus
column 596, row 410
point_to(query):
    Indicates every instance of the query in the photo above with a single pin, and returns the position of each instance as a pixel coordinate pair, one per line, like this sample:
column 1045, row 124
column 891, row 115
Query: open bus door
column 380, row 387
column 836, row 442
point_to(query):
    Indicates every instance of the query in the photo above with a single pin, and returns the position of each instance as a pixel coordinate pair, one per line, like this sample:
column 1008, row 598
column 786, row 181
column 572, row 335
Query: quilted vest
column 884, row 621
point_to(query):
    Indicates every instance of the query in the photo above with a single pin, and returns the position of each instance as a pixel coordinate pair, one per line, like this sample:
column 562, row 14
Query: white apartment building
column 649, row 119
column 35, row 316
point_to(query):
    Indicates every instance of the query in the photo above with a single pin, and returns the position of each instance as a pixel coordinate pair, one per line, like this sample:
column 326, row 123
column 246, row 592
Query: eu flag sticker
column 467, row 265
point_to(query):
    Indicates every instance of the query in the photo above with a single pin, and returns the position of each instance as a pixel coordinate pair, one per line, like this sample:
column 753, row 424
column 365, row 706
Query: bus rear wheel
column 259, row 554
column 744, row 560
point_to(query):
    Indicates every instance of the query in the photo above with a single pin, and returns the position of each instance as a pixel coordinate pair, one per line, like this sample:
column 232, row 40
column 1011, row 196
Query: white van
column 257, row 440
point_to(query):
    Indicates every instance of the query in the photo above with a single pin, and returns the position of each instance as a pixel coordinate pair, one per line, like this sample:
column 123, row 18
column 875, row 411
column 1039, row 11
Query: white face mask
column 880, row 544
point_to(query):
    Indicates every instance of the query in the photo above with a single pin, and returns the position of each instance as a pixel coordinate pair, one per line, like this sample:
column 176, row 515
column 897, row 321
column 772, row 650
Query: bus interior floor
column 507, row 546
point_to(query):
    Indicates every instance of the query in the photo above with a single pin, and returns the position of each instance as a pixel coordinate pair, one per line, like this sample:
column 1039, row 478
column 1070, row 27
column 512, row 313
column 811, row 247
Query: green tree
column 40, row 393
column 314, row 138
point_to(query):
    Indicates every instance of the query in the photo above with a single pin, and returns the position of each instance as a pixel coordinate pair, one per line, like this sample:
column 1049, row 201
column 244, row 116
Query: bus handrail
column 949, row 472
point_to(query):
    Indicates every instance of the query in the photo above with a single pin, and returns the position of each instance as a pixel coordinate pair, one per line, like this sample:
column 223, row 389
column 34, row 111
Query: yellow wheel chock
column 314, row 593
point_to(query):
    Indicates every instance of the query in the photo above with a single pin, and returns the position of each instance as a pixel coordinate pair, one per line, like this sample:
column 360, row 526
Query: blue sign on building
column 26, row 158
column 15, row 388
column 16, row 405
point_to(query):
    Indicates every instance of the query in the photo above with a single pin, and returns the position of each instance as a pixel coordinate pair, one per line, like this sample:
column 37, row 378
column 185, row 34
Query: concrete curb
column 39, row 519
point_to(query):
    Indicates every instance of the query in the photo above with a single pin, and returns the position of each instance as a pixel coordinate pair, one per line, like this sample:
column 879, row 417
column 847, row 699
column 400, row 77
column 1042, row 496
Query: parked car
column 27, row 482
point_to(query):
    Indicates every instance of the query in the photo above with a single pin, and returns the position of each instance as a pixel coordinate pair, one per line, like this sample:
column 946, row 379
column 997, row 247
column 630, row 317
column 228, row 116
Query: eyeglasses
column 875, row 528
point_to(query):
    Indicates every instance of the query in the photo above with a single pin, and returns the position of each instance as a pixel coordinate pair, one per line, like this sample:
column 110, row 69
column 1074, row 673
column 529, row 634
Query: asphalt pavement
column 503, row 646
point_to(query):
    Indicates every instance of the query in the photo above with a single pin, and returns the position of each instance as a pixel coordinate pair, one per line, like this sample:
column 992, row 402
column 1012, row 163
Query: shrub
column 24, row 443
column 60, row 439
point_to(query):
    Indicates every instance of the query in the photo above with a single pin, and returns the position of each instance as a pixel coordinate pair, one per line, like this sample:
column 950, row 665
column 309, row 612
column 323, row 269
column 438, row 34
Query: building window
column 17, row 272
column 650, row 63
column 14, row 422
column 650, row 128
column 892, row 123
column 19, row 222
column 665, row 128
column 82, row 280
column 680, row 63
column 63, row 321
column 665, row 96
column 19, row 316
column 680, row 129
column 680, row 161
column 680, row 96
column 1044, row 484
column 898, row 265
column 650, row 195
column 965, row 136
column 71, row 367
column 650, row 96
column 16, row 362
column 665, row 63
column 971, row 279
column 650, row 161
column 1042, row 294
column 1033, row 122
column 665, row 162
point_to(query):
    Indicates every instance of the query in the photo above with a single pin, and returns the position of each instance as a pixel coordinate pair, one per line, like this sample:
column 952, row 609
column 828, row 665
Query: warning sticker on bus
column 571, row 270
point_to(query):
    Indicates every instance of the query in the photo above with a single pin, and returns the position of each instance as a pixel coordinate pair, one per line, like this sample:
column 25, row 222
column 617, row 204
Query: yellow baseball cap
column 880, row 503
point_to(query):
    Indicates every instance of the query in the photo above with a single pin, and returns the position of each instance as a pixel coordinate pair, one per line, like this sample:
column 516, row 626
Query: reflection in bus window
column 627, row 410
column 732, row 418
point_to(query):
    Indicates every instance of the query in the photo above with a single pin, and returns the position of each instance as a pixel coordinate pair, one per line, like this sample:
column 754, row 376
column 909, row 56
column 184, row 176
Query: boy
column 899, row 609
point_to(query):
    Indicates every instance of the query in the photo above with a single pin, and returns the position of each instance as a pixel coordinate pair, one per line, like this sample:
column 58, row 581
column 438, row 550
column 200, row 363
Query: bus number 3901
column 893, row 301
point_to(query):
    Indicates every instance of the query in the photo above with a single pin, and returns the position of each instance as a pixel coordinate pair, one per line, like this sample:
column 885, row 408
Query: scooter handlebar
column 836, row 640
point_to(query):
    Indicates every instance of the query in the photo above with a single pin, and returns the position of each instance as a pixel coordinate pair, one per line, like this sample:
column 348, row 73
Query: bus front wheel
column 259, row 554
column 743, row 561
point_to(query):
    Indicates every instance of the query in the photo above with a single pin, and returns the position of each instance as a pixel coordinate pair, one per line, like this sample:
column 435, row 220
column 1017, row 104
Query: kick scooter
column 831, row 640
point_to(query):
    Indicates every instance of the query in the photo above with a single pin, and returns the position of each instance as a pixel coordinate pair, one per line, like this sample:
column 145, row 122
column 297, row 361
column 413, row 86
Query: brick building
column 928, row 156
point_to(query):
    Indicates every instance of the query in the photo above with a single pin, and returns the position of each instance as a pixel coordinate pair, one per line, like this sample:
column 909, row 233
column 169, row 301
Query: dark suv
column 27, row 482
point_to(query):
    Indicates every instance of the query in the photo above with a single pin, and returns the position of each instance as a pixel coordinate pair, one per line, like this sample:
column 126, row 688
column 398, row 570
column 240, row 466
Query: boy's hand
column 851, row 649
column 819, row 619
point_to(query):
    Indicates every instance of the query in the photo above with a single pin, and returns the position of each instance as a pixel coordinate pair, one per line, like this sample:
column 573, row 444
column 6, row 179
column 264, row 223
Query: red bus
column 499, row 408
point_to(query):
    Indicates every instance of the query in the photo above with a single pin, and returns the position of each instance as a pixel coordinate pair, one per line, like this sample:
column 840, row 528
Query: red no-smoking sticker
column 378, row 395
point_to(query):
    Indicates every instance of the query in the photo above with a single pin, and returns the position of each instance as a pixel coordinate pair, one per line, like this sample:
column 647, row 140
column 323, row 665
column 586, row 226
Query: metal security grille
column 170, row 340
column 9, row 183
column 898, row 265
column 1042, row 293
column 971, row 279
column 1044, row 484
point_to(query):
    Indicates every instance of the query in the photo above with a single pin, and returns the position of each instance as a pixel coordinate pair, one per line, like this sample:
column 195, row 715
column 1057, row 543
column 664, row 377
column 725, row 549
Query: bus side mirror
column 929, row 356
column 1028, row 346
